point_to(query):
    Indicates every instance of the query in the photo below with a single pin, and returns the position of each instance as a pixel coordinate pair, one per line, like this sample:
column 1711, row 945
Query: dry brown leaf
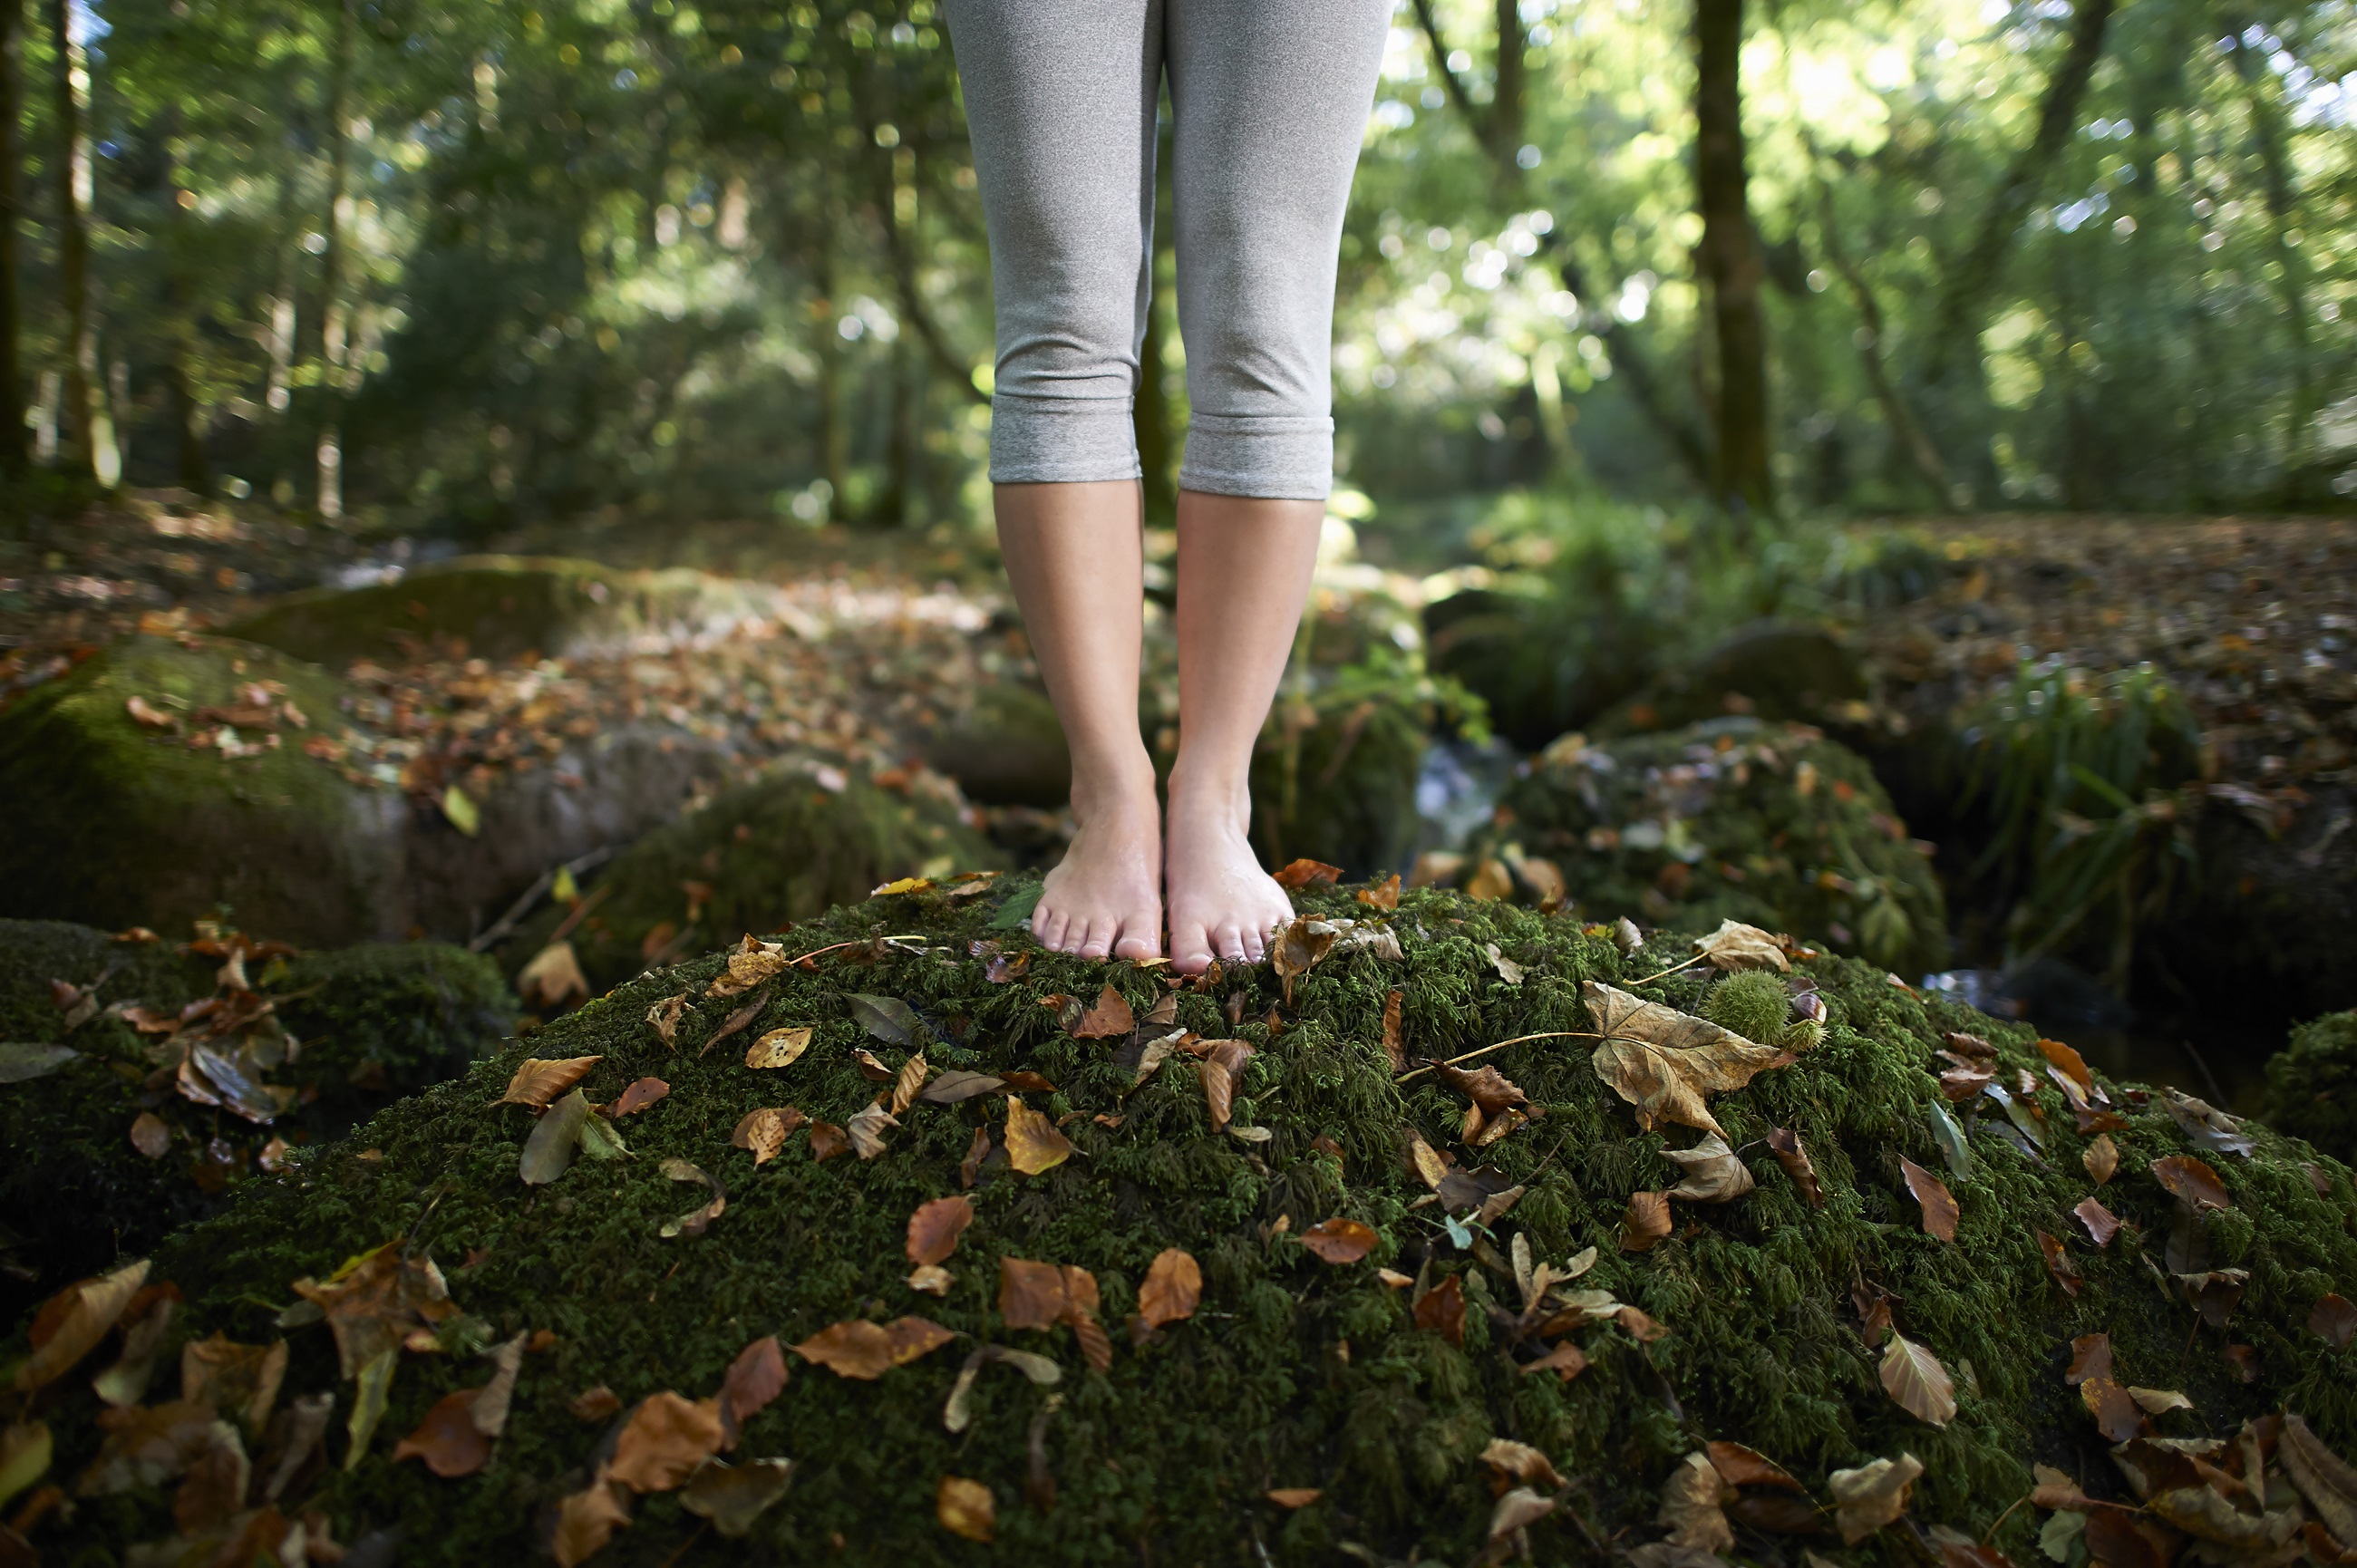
column 2072, row 1064
column 2058, row 1262
column 1294, row 1496
column 779, row 1048
column 871, row 1066
column 2102, row 1158
column 2091, row 1357
column 375, row 1299
column 1647, row 1221
column 976, row 1151
column 1940, row 1212
column 2215, row 1293
column 2117, row 1415
column 1508, row 970
column 447, row 1440
column 1738, row 946
column 1173, row 1288
column 537, row 1083
column 1489, row 1088
column 240, row 1380
column 1298, row 947
column 1916, row 1381
column 2333, row 1320
column 827, row 1140
column 1030, row 1295
column 2192, row 1182
column 866, row 1128
column 1872, row 1495
column 1442, row 1310
column 755, row 1378
column 1339, row 1240
column 1490, row 879
column 765, row 1131
column 2160, row 1401
column 955, row 1086
column 1425, row 1161
column 912, row 1081
column 733, row 1495
column 1109, row 1016
column 1567, row 1361
column 1743, row 1466
column 663, row 1442
column 1520, row 1462
column 858, row 1348
column 1664, row 1062
column 696, row 1221
column 1033, row 1145
column 1223, row 1066
column 587, row 1519
column 1080, row 1314
column 213, row 1490
column 749, row 967
column 1694, row 1506
column 1394, row 1039
column 1384, row 895
column 663, row 1018
column 967, row 1508
column 640, row 1094
column 1303, row 873
column 1713, row 1173
column 2101, row 1224
column 2328, row 1484
column 935, row 1226
column 553, row 975
column 1784, row 1143
column 601, row 1403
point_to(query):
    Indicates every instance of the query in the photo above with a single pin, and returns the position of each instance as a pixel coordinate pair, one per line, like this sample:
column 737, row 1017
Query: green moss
column 1294, row 1372
column 373, row 1023
column 757, row 858
column 112, row 821
column 1753, row 1003
column 1736, row 819
column 2312, row 1085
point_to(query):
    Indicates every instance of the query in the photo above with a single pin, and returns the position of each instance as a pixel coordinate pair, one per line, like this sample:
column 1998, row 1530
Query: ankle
column 1217, row 797
column 1113, row 791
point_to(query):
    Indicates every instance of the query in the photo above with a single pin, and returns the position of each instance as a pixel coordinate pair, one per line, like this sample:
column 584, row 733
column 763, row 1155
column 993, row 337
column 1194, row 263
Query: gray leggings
column 1271, row 98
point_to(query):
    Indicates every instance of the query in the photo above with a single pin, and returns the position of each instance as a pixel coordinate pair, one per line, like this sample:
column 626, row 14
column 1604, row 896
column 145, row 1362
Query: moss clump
column 369, row 1023
column 112, row 821
column 1772, row 824
column 1753, row 1003
column 757, row 858
column 2312, row 1085
column 1294, row 1372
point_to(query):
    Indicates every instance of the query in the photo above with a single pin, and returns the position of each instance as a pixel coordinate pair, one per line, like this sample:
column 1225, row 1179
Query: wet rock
column 2274, row 901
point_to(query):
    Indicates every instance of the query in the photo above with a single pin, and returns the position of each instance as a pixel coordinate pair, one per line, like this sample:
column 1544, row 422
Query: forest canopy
column 452, row 267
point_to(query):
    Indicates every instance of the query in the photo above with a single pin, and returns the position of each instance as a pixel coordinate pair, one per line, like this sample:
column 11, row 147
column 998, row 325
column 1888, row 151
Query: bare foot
column 1104, row 899
column 1222, row 905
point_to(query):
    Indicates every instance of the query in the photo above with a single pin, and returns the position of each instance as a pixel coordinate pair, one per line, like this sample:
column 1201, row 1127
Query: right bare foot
column 1104, row 900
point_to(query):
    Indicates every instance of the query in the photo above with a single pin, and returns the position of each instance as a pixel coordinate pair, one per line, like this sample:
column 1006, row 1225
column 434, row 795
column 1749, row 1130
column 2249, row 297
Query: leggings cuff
column 1061, row 441
column 1282, row 458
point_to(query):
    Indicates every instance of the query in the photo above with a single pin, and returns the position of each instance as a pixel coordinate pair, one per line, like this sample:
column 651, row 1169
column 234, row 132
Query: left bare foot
column 1220, row 904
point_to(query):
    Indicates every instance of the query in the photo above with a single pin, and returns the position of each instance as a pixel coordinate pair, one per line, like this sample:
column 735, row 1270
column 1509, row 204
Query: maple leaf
column 779, row 1048
column 1713, row 1173
column 1872, row 1495
column 1033, row 1145
column 1916, row 1381
column 1173, row 1288
column 1109, row 1016
column 1784, row 1143
column 1662, row 1061
column 934, row 1228
column 1940, row 1212
column 537, row 1083
column 1647, row 1221
column 755, row 1378
column 1339, row 1240
column 1738, row 946
column 858, row 1348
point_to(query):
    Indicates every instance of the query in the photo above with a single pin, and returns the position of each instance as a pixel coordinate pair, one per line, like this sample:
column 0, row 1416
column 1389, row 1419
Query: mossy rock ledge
column 1293, row 1372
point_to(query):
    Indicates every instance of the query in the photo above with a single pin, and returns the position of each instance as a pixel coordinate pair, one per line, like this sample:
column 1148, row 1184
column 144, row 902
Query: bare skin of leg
column 1076, row 558
column 1244, row 566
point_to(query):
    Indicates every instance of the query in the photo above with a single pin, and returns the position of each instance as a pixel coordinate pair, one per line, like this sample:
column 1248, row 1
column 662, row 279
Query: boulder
column 1342, row 1363
column 347, row 1033
column 2312, row 1085
column 1008, row 749
column 1734, row 818
column 1784, row 671
column 1543, row 667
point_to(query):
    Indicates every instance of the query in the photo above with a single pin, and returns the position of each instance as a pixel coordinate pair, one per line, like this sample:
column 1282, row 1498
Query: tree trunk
column 330, row 315
column 833, row 436
column 1955, row 318
column 1729, row 259
column 1872, row 352
column 1506, row 99
column 2282, row 207
column 92, row 432
column 12, row 116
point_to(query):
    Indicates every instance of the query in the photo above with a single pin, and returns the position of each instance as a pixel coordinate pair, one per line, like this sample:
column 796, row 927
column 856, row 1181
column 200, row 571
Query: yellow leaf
column 1033, row 1145
column 779, row 1048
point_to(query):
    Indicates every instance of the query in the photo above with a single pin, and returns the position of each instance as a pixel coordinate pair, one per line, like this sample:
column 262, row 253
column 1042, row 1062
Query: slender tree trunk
column 12, row 116
column 93, row 434
column 1506, row 99
column 1872, row 352
column 1955, row 318
column 331, row 317
column 834, row 436
column 2282, row 207
column 1729, row 259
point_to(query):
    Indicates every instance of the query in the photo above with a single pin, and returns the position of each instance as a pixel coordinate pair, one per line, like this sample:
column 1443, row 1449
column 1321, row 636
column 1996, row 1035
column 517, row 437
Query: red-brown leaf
column 1741, row 1466
column 1784, row 1143
column 827, row 1140
column 935, row 1226
column 1339, row 1240
column 2333, row 1321
column 1303, row 873
column 2192, row 1182
column 1173, row 1288
column 637, row 1096
column 756, row 1377
column 2070, row 1061
column 1394, row 1039
column 537, row 1083
column 447, row 1440
column 2058, row 1264
column 663, row 1442
column 865, row 1350
column 1030, row 1295
column 2118, row 1414
column 1647, row 1221
column 1442, row 1310
column 1487, row 1088
column 2101, row 1223
column 2091, row 1357
column 1940, row 1212
column 1109, row 1017
column 1383, row 895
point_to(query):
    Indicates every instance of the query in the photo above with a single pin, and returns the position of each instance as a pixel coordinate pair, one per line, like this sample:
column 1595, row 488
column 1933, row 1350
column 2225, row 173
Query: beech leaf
column 2091, row 1357
column 2101, row 1157
column 694, row 1222
column 934, row 1228
column 865, row 1130
column 827, row 1140
column 1647, row 1221
column 1030, row 1295
column 1784, row 1143
column 1489, row 1088
column 1109, row 1016
column 955, row 1085
column 1223, row 1066
column 911, row 1079
column 765, row 1131
column 733, row 1495
column 640, row 1094
column 1442, row 1310
column 2117, row 1415
column 1384, row 895
column 1940, row 1212
column 2333, row 1320
column 966, row 1508
column 1034, row 1146
column 663, row 1442
column 754, row 1378
column 537, row 1083
column 1303, row 873
column 2101, row 1224
column 888, row 1018
column 1916, row 1381
column 1394, row 1036
column 556, row 1137
column 779, row 1048
column 2192, row 1182
column 587, row 1519
column 1694, row 1504
column 1872, row 1495
column 1173, row 1288
column 865, row 1350
column 447, row 1440
column 1738, row 946
column 1664, row 1062
column 2058, row 1264
column 1339, row 1240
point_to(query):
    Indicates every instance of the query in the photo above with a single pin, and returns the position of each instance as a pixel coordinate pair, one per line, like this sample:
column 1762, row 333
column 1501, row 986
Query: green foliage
column 2076, row 773
column 2312, row 1085
column 1172, row 1451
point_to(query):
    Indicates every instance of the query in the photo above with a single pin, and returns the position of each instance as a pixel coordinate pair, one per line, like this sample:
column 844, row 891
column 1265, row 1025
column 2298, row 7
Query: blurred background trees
column 419, row 266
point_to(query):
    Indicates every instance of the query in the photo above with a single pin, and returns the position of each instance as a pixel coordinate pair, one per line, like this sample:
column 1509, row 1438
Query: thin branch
column 1502, row 1045
column 1475, row 120
column 904, row 279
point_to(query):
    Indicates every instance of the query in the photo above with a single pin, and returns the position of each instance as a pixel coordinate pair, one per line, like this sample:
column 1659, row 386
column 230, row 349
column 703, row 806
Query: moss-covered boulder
column 1006, row 750
column 757, row 858
column 1308, row 1405
column 1779, row 670
column 1734, row 818
column 2312, row 1085
column 1543, row 667
column 346, row 1033
column 502, row 607
column 166, row 777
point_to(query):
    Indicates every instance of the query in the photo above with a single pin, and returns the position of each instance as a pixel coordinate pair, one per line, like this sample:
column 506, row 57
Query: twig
column 2005, row 1516
column 1672, row 970
column 1502, row 1045
column 2207, row 1076
column 580, row 913
column 506, row 924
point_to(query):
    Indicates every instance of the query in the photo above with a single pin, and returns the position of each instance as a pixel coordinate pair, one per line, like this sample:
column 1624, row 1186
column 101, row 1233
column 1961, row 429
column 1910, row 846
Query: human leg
column 1067, row 195
column 1272, row 99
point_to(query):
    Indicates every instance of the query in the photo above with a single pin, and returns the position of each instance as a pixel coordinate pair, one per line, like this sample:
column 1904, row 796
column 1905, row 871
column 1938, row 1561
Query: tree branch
column 1461, row 95
column 1644, row 387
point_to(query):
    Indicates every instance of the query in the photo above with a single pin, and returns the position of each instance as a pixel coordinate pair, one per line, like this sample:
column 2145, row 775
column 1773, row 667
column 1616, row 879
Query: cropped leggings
column 1271, row 100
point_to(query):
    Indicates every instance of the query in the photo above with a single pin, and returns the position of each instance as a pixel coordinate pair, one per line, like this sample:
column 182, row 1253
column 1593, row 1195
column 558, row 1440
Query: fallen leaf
column 2091, row 1357
column 663, row 1018
column 1784, row 1143
column 967, row 1508
column 1030, row 1295
column 25, row 1450
column 214, row 1489
column 955, row 1085
column 640, row 1094
column 21, row 1062
column 1339, row 1240
column 755, row 1378
column 1638, row 1326
column 1951, row 1139
column 911, row 1080
column 931, row 1279
column 888, row 1018
column 1567, row 1361
column 955, row 1413
column 1519, row 1508
column 1303, row 873
column 1027, row 1083
column 587, row 1519
column 2329, row 1485
column 1395, row 1280
column 1647, row 1221
column 1384, row 895
column 1744, row 1466
column 733, row 1495
column 1508, row 970
column 1520, row 1462
column 1422, row 1158
column 1940, row 1212
column 493, row 1401
column 779, row 1048
column 1223, row 1067
column 2208, row 1127
column 1109, row 1016
column 2215, row 1293
column 1490, row 879
column 375, row 1301
column 447, row 1440
column 554, row 1139
column 372, row 1392
column 902, row 885
column 150, row 1136
column 1662, row 1061
column 1442, row 1310
column 2072, row 1064
column 1694, row 1504
column 1173, row 1288
column 240, row 1380
column 1489, row 1088
column 2333, row 1320
column 2102, row 1157
column 2058, row 1264
column 2160, row 1401
column 976, row 1151
column 1294, row 1496
column 553, row 975
column 1394, row 1039
column 2117, row 1415
column 765, row 1131
column 935, row 1226
column 537, row 1083
column 694, row 1221
column 749, row 965
column 866, row 1128
column 1002, row 970
column 2101, row 1224
column 858, row 1348
column 1872, row 1495
column 1738, row 946
column 1033, row 1145
column 599, row 1403
column 827, row 1140
column 1298, row 947
column 1713, row 1173
column 1916, row 1381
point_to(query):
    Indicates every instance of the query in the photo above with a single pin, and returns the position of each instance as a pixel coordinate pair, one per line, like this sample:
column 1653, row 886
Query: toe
column 1048, row 928
column 1228, row 941
column 1138, row 940
column 1255, row 947
column 1093, row 940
